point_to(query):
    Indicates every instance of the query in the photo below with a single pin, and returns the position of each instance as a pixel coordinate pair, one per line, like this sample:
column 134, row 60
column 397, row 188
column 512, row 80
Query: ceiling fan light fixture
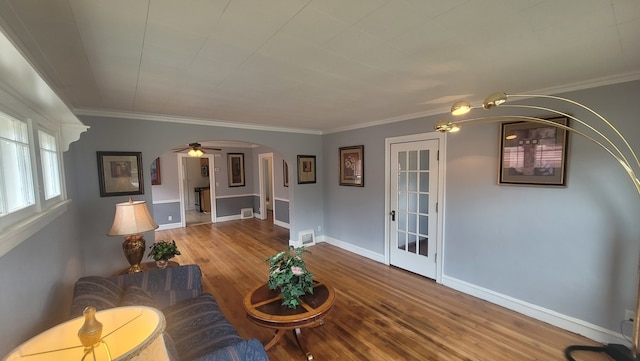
column 195, row 153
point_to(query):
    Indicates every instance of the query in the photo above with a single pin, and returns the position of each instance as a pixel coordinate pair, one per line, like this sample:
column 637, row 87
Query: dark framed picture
column 155, row 172
column 235, row 168
column 120, row 173
column 352, row 166
column 285, row 173
column 534, row 153
column 306, row 169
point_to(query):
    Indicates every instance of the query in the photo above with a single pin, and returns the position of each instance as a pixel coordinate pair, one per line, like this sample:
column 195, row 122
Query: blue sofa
column 196, row 329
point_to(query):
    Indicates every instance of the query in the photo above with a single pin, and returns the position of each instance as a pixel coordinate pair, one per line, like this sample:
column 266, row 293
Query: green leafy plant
column 164, row 250
column 288, row 272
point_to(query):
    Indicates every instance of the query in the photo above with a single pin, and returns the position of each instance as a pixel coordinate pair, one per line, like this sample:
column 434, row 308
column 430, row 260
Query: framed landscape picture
column 306, row 169
column 155, row 172
column 534, row 153
column 351, row 160
column 235, row 165
column 120, row 173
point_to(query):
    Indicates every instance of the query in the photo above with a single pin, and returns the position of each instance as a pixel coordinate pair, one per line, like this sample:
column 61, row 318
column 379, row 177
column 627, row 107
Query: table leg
column 275, row 339
column 298, row 335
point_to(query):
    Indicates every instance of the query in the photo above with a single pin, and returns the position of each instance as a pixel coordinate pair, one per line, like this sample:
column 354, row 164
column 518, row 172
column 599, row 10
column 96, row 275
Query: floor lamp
column 618, row 148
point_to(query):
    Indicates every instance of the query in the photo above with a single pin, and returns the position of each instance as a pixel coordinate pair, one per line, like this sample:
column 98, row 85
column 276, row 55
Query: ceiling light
column 461, row 107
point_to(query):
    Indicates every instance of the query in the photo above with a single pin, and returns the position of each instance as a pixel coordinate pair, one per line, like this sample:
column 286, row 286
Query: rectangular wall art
column 534, row 153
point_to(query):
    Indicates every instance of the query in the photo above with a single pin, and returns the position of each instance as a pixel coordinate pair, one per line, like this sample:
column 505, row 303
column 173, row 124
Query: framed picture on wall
column 306, row 169
column 120, row 173
column 235, row 168
column 285, row 173
column 155, row 172
column 534, row 153
column 351, row 160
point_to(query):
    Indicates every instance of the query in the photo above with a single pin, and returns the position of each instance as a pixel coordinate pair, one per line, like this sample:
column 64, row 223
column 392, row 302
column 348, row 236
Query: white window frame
column 19, row 225
column 24, row 95
column 60, row 168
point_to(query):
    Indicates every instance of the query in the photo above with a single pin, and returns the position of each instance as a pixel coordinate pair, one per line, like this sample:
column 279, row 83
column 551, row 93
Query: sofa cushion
column 167, row 286
column 136, row 296
column 190, row 314
column 198, row 327
column 205, row 339
column 95, row 291
column 250, row 349
column 171, row 347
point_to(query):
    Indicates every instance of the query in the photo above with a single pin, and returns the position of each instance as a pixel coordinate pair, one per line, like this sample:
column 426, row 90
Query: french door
column 413, row 198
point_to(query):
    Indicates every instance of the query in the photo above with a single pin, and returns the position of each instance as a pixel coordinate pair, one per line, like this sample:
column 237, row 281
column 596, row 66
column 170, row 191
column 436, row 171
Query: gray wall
column 572, row 250
column 155, row 138
column 37, row 277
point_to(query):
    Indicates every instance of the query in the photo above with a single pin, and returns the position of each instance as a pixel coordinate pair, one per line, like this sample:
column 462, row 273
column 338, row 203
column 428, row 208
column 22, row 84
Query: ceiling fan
column 195, row 149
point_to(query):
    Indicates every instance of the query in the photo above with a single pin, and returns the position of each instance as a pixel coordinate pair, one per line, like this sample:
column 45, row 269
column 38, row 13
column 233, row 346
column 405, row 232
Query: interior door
column 413, row 202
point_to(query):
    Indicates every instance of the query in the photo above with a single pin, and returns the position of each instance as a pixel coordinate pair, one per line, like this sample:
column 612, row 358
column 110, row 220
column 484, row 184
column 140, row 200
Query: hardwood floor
column 381, row 312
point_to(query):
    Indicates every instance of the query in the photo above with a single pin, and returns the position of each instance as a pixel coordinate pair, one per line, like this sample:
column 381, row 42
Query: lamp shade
column 129, row 333
column 132, row 218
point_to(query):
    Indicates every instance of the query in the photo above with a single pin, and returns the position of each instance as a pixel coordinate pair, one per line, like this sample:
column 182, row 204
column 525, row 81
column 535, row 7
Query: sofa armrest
column 167, row 286
column 247, row 350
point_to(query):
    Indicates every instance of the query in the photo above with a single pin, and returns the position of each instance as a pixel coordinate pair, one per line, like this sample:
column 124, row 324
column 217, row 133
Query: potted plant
column 288, row 272
column 162, row 251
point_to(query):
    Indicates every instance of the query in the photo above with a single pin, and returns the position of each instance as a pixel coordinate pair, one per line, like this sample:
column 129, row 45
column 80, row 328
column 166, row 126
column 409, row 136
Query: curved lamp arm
column 498, row 99
column 444, row 127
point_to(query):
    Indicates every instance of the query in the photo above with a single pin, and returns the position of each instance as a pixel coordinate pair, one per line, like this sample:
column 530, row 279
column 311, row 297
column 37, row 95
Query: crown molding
column 588, row 84
column 188, row 120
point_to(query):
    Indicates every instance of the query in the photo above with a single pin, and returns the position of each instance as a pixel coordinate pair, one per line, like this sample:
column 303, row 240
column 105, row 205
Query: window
column 16, row 179
column 50, row 166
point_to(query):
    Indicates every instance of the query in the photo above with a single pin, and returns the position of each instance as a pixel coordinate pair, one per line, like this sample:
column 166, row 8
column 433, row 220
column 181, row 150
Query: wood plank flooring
column 381, row 312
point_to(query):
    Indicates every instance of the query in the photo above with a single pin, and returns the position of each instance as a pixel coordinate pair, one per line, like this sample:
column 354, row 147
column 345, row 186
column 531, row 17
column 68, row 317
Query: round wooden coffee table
column 264, row 307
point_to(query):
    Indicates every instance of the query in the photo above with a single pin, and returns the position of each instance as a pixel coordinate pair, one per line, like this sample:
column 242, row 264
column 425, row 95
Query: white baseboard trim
column 162, row 227
column 351, row 248
column 228, row 218
column 281, row 224
column 551, row 317
column 554, row 318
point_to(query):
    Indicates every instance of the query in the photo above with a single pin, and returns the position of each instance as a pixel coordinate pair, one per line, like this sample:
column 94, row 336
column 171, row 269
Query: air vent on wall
column 307, row 237
column 246, row 213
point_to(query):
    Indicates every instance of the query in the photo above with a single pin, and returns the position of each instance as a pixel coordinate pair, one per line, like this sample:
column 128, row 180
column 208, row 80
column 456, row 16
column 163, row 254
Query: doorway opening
column 196, row 187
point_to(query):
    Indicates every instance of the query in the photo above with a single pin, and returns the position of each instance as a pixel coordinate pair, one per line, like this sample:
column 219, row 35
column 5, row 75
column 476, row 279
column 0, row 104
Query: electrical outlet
column 171, row 218
column 628, row 315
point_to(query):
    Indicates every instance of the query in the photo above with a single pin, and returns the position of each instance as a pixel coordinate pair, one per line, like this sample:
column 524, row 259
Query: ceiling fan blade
column 211, row 148
column 177, row 150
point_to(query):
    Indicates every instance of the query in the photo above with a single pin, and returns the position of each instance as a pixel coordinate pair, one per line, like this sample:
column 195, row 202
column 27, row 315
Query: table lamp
column 128, row 333
column 131, row 219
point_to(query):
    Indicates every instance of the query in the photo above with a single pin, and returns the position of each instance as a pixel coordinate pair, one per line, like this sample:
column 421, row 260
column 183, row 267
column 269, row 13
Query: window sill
column 19, row 232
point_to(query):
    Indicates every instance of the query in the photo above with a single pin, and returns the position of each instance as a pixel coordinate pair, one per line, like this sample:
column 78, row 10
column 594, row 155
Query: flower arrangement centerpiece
column 288, row 272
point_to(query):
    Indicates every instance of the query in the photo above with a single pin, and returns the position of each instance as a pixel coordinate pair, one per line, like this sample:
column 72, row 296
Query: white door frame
column 181, row 185
column 441, row 192
column 263, row 198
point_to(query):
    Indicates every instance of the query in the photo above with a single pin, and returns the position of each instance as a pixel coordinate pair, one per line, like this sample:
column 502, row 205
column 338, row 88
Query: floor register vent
column 246, row 213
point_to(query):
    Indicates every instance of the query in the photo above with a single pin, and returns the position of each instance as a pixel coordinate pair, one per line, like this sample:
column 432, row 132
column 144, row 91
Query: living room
column 565, row 255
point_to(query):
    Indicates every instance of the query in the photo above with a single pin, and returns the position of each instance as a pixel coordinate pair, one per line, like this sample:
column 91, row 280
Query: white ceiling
column 319, row 65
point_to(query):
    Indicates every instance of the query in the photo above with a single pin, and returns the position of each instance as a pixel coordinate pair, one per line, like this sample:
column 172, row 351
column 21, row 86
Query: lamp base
column 616, row 352
column 134, row 247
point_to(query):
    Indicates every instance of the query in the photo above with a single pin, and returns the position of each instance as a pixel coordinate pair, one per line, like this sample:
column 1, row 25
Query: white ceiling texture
column 317, row 65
